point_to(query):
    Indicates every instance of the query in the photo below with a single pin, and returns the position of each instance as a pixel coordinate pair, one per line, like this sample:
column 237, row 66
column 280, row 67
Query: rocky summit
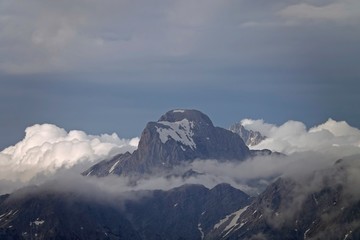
column 178, row 136
column 250, row 137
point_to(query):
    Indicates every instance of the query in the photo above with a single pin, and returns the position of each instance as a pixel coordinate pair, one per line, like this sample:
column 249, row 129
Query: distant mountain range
column 320, row 206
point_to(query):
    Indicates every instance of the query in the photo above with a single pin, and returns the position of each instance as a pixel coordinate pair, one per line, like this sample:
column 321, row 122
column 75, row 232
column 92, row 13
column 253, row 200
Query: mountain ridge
column 178, row 136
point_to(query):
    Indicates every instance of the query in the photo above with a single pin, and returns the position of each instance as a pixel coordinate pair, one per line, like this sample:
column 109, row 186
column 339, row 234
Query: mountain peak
column 250, row 137
column 191, row 115
column 179, row 136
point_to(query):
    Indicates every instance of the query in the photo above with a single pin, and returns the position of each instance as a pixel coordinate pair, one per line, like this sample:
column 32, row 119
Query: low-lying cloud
column 47, row 148
column 48, row 152
column 250, row 176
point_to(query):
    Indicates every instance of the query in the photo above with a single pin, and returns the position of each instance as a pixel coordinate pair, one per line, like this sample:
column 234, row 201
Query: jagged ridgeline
column 178, row 136
column 250, row 137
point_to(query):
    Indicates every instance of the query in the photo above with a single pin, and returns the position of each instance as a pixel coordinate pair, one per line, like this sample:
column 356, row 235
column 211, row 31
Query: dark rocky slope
column 324, row 206
column 178, row 136
column 186, row 212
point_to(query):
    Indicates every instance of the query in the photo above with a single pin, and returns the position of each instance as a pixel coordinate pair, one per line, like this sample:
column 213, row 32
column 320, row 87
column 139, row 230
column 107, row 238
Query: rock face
column 251, row 138
column 44, row 215
column 178, row 136
column 186, row 212
column 289, row 210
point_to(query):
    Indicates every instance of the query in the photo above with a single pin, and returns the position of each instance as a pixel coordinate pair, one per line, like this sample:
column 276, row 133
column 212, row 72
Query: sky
column 114, row 65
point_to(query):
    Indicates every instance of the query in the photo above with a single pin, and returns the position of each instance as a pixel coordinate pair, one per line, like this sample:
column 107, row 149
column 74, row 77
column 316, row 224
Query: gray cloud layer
column 42, row 36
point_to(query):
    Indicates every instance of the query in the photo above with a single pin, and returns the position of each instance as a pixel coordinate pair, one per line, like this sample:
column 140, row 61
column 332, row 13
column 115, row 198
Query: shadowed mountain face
column 285, row 210
column 187, row 212
column 288, row 209
column 49, row 215
column 178, row 136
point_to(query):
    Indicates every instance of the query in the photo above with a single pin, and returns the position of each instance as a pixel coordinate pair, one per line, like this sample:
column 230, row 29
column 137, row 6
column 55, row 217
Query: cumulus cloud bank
column 336, row 138
column 47, row 152
column 47, row 148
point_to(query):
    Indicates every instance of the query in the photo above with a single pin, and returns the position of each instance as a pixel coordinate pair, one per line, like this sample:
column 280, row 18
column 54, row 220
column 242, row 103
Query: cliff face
column 288, row 209
column 178, row 136
column 251, row 138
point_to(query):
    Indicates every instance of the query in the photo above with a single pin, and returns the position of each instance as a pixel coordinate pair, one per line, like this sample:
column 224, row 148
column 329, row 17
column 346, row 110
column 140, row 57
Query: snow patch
column 38, row 222
column 222, row 221
column 89, row 173
column 11, row 212
column 347, row 235
column 315, row 200
column 113, row 167
column 233, row 223
column 178, row 111
column 234, row 220
column 201, row 231
column 180, row 131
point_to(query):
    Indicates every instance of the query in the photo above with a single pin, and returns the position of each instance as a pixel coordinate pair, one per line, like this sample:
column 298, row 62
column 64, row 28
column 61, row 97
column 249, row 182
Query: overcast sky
column 113, row 65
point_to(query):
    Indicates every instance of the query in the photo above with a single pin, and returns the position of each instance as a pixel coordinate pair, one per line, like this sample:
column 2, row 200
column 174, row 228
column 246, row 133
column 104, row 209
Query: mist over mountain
column 184, row 178
column 321, row 205
column 179, row 120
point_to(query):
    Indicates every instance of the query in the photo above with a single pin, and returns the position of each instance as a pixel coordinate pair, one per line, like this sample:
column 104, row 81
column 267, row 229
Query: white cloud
column 338, row 129
column 48, row 152
column 332, row 137
column 47, row 148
